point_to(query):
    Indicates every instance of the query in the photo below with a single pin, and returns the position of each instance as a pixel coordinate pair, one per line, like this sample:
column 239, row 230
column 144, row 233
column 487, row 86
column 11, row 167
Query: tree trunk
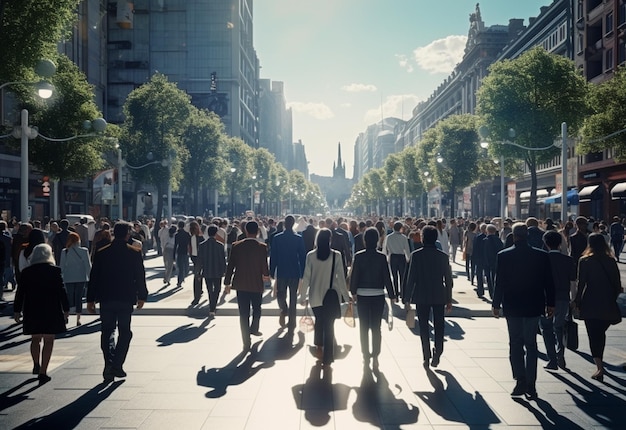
column 532, row 204
column 160, row 204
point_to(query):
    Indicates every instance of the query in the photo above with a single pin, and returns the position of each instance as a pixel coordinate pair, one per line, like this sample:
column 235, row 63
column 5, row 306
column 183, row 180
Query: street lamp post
column 404, row 211
column 252, row 193
column 232, row 191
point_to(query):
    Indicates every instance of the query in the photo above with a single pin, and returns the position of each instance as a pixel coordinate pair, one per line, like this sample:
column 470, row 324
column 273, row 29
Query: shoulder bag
column 331, row 298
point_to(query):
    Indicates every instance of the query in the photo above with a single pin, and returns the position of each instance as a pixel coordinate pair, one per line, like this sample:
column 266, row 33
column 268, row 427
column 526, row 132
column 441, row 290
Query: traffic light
column 45, row 186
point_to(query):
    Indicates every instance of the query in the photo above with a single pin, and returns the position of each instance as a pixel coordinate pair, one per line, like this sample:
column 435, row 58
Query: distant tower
column 339, row 167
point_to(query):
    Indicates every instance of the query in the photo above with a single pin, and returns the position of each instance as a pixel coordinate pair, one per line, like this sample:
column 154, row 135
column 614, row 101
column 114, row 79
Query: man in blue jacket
column 525, row 291
column 287, row 258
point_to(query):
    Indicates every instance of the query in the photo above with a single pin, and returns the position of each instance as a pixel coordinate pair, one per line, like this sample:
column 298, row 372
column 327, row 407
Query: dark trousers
column 182, row 265
column 553, row 331
column 596, row 330
column 197, row 278
column 617, row 247
column 370, row 314
column 480, row 276
column 115, row 315
column 213, row 286
column 423, row 314
column 282, row 284
column 490, row 274
column 324, row 334
column 397, row 263
column 469, row 267
column 245, row 300
column 523, row 348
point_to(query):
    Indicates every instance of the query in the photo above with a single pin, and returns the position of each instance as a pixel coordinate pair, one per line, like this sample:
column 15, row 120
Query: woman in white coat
column 75, row 267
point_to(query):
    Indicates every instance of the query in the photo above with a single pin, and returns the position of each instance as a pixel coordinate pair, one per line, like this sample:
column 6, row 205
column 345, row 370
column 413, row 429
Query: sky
column 346, row 63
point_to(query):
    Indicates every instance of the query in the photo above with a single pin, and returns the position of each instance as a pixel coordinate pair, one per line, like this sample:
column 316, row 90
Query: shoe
column 435, row 360
column 43, row 378
column 195, row 302
column 36, row 368
column 256, row 333
column 78, row 324
column 281, row 320
column 119, row 373
column 212, row 314
column 426, row 363
column 519, row 390
column 551, row 366
column 598, row 376
column 561, row 363
column 108, row 374
column 531, row 393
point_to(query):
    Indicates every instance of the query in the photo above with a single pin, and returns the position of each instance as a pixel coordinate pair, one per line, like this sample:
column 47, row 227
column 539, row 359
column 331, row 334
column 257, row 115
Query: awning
column 525, row 195
column 572, row 198
column 619, row 191
column 592, row 192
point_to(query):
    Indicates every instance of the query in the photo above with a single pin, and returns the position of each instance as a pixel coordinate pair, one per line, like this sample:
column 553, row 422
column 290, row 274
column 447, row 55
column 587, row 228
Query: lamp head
column 484, row 144
column 439, row 158
column 44, row 89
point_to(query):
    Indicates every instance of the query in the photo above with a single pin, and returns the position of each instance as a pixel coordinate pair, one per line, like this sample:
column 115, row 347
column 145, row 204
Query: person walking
column 563, row 275
column 442, row 236
column 369, row 277
column 396, row 248
column 287, row 259
column 118, row 282
column 324, row 270
column 182, row 243
column 75, row 267
column 247, row 270
column 455, row 237
column 599, row 285
column 212, row 266
column 35, row 237
column 41, row 300
column 168, row 254
column 468, row 247
column 429, row 286
column 478, row 260
column 491, row 246
column 194, row 242
column 616, row 230
column 578, row 241
column 524, row 290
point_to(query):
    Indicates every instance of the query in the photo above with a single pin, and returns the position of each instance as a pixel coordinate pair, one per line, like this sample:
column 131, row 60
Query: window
column 608, row 60
column 608, row 23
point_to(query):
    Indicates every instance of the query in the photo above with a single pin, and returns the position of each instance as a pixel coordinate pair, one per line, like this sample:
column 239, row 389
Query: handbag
column 331, row 298
column 306, row 324
column 571, row 335
column 410, row 316
column 348, row 316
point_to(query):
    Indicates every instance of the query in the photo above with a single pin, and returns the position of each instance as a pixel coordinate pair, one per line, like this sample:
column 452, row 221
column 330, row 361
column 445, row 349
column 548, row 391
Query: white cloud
column 399, row 106
column 440, row 56
column 316, row 110
column 346, row 105
column 404, row 62
column 359, row 88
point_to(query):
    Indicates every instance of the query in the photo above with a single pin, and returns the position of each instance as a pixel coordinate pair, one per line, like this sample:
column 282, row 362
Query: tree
column 533, row 94
column 156, row 116
column 608, row 118
column 203, row 163
column 30, row 31
column 63, row 116
column 263, row 162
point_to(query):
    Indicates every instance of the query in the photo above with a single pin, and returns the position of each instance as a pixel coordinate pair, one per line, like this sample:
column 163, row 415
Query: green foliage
column 30, row 31
column 608, row 104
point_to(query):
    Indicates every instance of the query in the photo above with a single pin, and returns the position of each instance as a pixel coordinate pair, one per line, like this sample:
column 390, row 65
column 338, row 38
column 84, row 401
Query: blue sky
column 341, row 60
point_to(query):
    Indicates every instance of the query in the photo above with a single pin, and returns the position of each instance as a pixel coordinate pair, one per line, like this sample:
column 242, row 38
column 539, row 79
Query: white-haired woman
column 41, row 300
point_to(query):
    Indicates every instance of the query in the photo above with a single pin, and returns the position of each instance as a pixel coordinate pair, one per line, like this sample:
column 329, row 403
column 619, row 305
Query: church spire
column 339, row 167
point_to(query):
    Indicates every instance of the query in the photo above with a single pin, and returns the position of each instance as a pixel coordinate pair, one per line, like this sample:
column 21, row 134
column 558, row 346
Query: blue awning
column 572, row 198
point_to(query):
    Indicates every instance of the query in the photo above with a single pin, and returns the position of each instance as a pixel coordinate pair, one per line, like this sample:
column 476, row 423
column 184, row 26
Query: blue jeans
column 552, row 330
column 182, row 265
column 245, row 300
column 115, row 315
column 523, row 348
column 281, row 297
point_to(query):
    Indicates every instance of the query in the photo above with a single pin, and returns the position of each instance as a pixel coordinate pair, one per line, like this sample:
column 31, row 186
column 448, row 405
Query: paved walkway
column 185, row 371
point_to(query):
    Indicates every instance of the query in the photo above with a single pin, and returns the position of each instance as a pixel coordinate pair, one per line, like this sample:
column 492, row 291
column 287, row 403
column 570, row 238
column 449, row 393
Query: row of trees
column 532, row 94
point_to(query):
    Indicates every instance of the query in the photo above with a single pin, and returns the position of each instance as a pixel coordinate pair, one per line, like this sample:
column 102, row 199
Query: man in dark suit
column 117, row 281
column 525, row 291
column 563, row 274
column 247, row 269
column 340, row 242
column 578, row 240
column 429, row 285
column 287, row 258
column 308, row 235
column 535, row 234
column 491, row 246
column 211, row 266
column 478, row 259
column 359, row 242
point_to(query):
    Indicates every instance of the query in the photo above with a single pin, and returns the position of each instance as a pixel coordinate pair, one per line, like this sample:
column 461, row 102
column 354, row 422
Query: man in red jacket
column 247, row 270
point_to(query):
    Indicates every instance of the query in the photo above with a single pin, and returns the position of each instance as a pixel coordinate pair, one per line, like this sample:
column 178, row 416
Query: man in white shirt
column 396, row 248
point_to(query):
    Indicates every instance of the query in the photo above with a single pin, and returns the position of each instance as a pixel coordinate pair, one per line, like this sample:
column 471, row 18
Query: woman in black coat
column 369, row 278
column 599, row 286
column 42, row 301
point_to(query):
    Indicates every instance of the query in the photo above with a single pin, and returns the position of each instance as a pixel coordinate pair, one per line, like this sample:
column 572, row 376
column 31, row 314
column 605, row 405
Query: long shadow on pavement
column 599, row 404
column 185, row 333
column 89, row 328
column 547, row 416
column 455, row 404
column 70, row 415
column 7, row 399
column 377, row 404
column 160, row 294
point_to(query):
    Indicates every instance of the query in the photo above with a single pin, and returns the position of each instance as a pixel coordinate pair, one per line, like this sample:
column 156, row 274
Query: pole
column 24, row 167
column 120, row 181
column 405, row 212
column 502, row 200
column 564, row 172
column 169, row 188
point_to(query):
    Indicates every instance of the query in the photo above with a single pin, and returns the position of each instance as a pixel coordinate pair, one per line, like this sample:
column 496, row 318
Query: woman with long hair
column 599, row 286
column 369, row 277
column 442, row 237
column 35, row 237
column 41, row 300
column 324, row 270
column 75, row 267
column 382, row 233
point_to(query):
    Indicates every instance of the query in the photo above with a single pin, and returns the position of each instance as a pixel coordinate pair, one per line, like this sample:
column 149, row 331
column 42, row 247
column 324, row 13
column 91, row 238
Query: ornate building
column 337, row 188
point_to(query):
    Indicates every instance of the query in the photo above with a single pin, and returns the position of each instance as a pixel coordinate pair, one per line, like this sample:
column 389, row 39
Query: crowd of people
column 538, row 275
